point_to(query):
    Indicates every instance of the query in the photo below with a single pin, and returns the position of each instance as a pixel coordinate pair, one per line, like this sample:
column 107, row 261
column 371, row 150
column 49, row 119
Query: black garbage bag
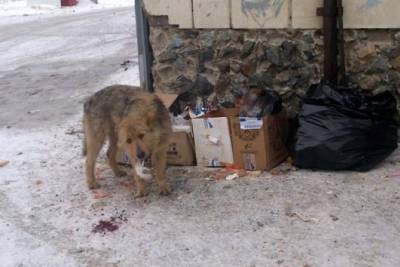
column 341, row 129
column 260, row 102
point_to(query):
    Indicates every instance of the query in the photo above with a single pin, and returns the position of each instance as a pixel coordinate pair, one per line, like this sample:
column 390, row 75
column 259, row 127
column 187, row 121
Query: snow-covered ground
column 20, row 11
column 48, row 217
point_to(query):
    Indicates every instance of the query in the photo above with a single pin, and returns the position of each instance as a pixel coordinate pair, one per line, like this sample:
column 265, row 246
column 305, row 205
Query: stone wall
column 221, row 64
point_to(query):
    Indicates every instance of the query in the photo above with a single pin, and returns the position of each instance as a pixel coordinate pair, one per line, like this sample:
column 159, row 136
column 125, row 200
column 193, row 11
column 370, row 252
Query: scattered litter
column 3, row 163
column 254, row 173
column 220, row 175
column 231, row 167
column 334, row 218
column 232, row 177
column 76, row 250
column 126, row 64
column 301, row 217
column 33, row 112
column 73, row 131
column 100, row 194
column 228, row 174
column 283, row 169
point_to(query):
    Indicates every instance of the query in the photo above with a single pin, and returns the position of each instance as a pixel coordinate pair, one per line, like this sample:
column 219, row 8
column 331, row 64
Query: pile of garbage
column 338, row 128
column 342, row 129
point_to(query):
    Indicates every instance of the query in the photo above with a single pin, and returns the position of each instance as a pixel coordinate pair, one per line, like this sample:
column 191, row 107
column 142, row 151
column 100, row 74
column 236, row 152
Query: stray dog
column 134, row 121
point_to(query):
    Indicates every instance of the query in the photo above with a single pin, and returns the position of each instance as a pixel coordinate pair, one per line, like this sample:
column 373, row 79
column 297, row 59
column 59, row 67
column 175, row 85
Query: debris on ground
column 33, row 112
column 301, row 217
column 73, row 131
column 3, row 163
column 126, row 64
column 334, row 218
column 228, row 173
column 254, row 173
column 283, row 169
column 232, row 177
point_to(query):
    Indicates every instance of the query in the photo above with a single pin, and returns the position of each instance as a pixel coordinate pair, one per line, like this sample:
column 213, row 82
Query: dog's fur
column 131, row 119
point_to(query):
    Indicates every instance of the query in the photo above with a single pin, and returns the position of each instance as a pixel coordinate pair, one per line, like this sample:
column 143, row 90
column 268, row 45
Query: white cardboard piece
column 213, row 142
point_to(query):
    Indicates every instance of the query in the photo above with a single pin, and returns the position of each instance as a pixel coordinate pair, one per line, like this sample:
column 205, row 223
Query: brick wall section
column 220, row 64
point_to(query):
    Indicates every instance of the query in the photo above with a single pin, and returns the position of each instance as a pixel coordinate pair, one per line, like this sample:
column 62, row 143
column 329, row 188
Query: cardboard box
column 213, row 143
column 259, row 144
column 181, row 148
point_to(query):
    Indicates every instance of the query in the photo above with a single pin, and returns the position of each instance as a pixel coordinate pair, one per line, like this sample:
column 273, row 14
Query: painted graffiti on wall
column 261, row 11
column 370, row 4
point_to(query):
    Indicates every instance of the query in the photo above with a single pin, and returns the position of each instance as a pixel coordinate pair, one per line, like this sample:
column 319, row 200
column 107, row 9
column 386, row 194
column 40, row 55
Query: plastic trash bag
column 341, row 129
column 258, row 103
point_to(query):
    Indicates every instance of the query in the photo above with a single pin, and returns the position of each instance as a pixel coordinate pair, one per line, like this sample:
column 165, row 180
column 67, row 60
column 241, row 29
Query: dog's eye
column 129, row 141
column 141, row 136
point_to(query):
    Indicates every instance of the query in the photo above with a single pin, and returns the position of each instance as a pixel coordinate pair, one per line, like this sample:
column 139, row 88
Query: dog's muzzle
column 142, row 157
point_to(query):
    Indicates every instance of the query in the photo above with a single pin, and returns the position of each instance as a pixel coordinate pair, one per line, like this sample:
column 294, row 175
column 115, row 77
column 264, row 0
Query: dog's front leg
column 159, row 161
column 140, row 185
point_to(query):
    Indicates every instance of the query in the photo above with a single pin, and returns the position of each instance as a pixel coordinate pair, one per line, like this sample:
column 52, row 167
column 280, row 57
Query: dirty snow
column 48, row 216
column 20, row 11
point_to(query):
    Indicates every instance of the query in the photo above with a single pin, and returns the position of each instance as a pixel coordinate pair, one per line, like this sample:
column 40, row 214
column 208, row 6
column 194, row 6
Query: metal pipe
column 330, row 41
column 342, row 64
column 144, row 48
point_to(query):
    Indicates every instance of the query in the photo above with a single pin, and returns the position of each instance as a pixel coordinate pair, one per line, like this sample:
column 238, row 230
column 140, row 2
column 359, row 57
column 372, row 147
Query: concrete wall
column 272, row 14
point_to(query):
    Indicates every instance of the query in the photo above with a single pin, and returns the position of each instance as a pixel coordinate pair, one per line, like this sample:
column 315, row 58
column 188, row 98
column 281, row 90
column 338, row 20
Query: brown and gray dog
column 134, row 121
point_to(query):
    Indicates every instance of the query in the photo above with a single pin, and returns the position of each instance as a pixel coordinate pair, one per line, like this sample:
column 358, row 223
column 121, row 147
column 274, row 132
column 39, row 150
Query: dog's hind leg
column 94, row 142
column 112, row 154
column 159, row 161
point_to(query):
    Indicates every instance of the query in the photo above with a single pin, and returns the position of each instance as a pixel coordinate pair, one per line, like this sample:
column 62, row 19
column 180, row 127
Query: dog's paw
column 93, row 185
column 165, row 191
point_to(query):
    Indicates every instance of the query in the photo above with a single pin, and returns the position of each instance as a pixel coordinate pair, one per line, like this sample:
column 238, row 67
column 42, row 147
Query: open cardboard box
column 254, row 144
column 181, row 147
column 259, row 144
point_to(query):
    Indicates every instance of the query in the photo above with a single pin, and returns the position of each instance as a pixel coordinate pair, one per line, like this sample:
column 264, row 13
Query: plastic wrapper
column 258, row 103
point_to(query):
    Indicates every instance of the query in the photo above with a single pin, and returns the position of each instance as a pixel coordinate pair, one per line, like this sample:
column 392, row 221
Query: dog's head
column 135, row 133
